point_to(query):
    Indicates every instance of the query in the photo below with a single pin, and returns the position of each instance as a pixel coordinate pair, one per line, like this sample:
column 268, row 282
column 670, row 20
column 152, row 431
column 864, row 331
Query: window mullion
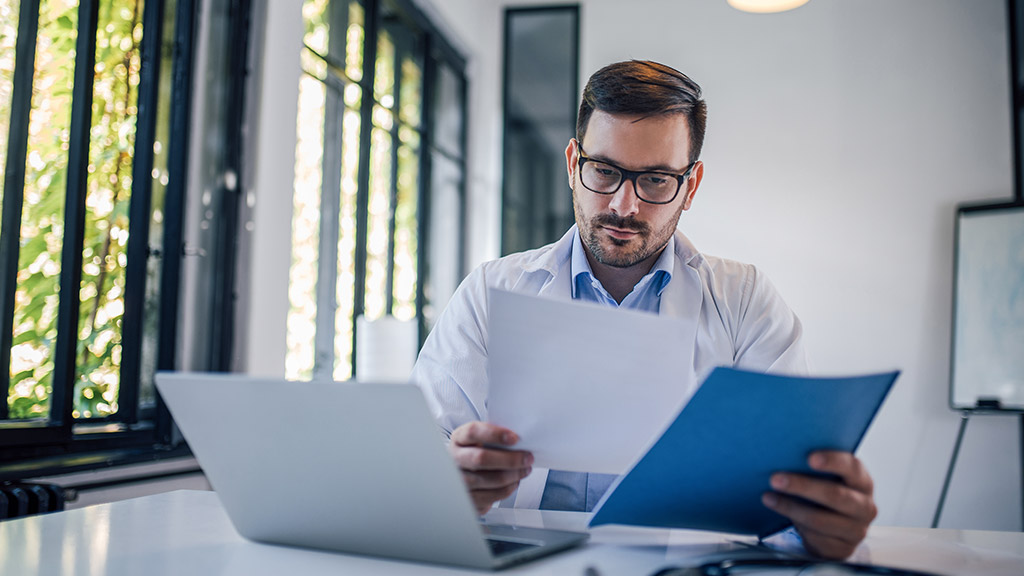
column 174, row 199
column 363, row 176
column 14, row 184
column 330, row 214
column 139, row 212
column 423, row 189
column 463, row 171
column 62, row 399
column 330, row 199
column 400, row 44
column 229, row 190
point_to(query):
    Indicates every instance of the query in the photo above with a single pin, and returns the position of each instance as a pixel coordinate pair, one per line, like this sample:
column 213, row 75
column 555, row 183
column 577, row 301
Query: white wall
column 840, row 137
column 267, row 228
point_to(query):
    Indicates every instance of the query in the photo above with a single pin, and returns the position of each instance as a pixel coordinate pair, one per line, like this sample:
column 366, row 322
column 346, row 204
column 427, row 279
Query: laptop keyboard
column 502, row 547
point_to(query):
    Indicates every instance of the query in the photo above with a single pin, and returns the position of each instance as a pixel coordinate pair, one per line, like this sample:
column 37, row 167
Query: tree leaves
column 108, row 197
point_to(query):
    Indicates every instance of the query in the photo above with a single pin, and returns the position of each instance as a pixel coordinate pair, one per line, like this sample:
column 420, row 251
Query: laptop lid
column 351, row 467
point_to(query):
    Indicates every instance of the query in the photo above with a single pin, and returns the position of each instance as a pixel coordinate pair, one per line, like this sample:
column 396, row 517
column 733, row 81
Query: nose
column 625, row 202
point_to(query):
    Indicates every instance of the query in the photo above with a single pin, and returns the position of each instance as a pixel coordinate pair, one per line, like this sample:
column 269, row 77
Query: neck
column 619, row 282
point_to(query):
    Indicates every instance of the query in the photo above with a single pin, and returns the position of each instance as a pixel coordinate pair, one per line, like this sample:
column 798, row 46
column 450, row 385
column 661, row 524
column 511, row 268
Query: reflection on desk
column 187, row 532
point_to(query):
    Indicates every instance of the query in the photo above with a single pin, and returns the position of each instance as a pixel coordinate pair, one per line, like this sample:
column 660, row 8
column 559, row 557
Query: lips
column 620, row 233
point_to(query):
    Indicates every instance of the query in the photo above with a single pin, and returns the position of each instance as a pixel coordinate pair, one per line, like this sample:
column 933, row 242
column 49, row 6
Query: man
column 633, row 169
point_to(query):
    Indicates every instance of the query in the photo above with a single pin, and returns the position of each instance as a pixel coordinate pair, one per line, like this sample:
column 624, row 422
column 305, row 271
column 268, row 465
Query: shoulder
column 522, row 271
column 739, row 283
column 506, row 270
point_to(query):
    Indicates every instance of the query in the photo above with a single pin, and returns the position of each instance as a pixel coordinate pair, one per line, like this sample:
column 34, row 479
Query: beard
column 622, row 253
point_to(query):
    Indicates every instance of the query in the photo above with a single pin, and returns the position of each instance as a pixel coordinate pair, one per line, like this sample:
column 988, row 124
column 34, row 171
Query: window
column 541, row 95
column 90, row 197
column 379, row 179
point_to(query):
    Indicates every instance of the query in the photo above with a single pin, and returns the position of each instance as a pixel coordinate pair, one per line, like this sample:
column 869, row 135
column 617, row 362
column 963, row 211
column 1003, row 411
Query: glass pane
column 445, row 223
column 354, row 42
column 302, row 276
column 540, row 118
column 384, row 79
column 313, row 65
column 406, row 226
column 377, row 241
column 382, row 117
column 448, row 111
column 412, row 92
column 161, row 177
column 314, row 14
column 347, row 241
column 109, row 190
column 8, row 40
column 42, row 221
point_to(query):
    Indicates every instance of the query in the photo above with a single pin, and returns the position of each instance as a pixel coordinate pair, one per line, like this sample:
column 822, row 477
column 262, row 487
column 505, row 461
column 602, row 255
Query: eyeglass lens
column 651, row 186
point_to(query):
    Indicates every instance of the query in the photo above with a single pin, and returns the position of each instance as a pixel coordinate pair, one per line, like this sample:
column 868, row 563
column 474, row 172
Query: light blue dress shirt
column 579, row 491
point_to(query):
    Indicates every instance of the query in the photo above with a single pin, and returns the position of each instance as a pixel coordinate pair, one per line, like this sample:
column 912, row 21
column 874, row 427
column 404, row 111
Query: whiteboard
column 988, row 309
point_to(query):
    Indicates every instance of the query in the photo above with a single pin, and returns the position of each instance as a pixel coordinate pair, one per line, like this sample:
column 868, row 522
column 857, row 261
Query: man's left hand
column 832, row 516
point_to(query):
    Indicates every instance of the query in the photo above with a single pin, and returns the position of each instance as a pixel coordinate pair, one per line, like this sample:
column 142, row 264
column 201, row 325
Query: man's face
column 619, row 229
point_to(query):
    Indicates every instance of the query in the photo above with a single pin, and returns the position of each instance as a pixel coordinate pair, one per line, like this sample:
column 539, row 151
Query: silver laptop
column 359, row 468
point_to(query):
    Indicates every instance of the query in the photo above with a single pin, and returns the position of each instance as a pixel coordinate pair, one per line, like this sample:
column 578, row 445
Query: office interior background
column 841, row 137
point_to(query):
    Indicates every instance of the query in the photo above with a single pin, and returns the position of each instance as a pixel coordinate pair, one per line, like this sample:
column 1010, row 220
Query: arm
column 452, row 372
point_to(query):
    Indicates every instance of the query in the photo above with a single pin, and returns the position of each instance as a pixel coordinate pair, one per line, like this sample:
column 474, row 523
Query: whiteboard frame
column 964, row 209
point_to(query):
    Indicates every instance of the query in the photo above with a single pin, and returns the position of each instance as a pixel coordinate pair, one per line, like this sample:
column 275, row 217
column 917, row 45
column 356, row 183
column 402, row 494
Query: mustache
column 619, row 222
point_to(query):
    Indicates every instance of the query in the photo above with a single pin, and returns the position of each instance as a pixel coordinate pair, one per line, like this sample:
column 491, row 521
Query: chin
column 620, row 259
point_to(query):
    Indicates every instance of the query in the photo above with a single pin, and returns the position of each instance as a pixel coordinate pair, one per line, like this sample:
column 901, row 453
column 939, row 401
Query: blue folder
column 710, row 467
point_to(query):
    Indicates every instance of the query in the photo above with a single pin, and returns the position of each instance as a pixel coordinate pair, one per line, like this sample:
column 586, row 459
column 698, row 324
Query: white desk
column 188, row 533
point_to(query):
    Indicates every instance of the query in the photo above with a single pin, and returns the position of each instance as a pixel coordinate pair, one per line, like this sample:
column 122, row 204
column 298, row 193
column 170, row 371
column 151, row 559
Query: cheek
column 588, row 205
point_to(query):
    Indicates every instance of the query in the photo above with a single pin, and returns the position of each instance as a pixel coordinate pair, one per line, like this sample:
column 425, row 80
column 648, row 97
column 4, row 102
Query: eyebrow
column 654, row 168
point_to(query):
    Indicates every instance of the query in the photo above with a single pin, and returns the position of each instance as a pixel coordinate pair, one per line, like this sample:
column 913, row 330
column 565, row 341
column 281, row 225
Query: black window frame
column 434, row 51
column 1014, row 17
column 62, row 443
column 530, row 222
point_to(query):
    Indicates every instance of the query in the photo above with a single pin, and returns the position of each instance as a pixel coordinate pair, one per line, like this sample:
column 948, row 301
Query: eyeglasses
column 651, row 187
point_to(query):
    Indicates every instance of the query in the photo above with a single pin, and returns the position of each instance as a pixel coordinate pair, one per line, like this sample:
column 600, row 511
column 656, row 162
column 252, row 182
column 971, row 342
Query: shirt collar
column 661, row 271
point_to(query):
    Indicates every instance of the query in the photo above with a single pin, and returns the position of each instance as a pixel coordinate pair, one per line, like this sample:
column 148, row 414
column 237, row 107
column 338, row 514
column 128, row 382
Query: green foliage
column 112, row 140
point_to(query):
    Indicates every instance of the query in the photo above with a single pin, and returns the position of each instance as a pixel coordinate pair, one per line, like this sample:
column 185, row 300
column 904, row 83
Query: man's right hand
column 490, row 474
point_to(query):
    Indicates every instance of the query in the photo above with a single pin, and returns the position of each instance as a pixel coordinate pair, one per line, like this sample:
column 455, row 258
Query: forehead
column 638, row 142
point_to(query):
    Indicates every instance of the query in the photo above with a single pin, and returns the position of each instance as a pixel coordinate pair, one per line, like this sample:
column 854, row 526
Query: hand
column 490, row 474
column 834, row 515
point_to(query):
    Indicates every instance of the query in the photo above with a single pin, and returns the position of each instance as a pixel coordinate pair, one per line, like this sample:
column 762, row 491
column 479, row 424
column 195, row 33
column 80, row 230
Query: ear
column 692, row 183
column 570, row 160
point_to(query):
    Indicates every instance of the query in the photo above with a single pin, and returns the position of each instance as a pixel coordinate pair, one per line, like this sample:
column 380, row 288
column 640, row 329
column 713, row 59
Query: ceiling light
column 766, row 6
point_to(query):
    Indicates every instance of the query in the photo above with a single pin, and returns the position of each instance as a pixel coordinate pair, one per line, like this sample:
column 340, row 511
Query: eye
column 655, row 179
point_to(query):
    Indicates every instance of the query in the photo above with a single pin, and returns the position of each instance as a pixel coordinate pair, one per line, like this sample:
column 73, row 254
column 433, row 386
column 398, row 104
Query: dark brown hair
column 645, row 88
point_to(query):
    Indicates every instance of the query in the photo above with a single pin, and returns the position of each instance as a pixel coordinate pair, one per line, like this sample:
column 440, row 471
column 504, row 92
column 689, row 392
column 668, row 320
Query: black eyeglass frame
column 631, row 175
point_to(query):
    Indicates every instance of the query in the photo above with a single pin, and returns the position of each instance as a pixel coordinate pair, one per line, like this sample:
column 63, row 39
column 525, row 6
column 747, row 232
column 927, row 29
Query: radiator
column 24, row 499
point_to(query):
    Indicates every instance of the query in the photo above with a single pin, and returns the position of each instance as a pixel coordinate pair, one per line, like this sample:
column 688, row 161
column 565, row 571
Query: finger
column 476, row 433
column 475, row 458
column 819, row 520
column 826, row 545
column 846, row 466
column 494, row 479
column 483, row 499
column 827, row 493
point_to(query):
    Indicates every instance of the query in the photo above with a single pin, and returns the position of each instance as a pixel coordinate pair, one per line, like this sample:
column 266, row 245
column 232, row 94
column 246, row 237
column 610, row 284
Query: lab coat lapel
column 682, row 299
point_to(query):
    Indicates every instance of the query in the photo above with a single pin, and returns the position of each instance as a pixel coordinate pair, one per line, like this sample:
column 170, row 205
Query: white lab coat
column 729, row 311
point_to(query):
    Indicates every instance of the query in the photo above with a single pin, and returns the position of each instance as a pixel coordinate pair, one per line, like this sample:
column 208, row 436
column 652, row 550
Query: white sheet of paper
column 587, row 388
